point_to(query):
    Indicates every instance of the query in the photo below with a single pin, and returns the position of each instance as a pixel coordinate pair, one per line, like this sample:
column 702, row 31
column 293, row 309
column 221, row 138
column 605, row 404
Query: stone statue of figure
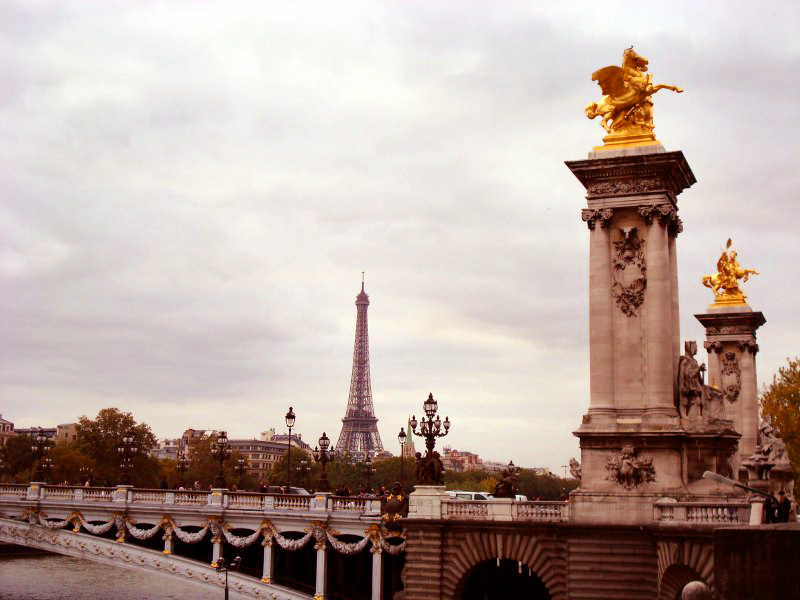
column 690, row 380
column 725, row 282
column 626, row 107
column 575, row 468
column 771, row 444
column 507, row 486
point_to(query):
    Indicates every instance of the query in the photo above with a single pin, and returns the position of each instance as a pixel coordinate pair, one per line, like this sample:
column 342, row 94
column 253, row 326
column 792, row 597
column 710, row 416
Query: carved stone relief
column 629, row 272
column 749, row 345
column 731, row 376
column 628, row 470
column 667, row 215
column 713, row 347
column 619, row 187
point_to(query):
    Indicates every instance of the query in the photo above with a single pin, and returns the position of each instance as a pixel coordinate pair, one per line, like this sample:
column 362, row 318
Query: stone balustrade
column 701, row 513
column 223, row 498
column 502, row 509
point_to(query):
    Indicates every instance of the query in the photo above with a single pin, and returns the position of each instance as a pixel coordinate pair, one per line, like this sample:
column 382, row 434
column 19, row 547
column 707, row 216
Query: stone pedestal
column 731, row 345
column 425, row 502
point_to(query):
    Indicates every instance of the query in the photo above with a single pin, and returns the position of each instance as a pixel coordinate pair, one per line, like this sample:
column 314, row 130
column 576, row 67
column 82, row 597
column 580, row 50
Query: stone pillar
column 377, row 573
column 216, row 551
column 601, row 316
column 660, row 401
column 321, row 589
column 731, row 337
column 266, row 576
column 425, row 502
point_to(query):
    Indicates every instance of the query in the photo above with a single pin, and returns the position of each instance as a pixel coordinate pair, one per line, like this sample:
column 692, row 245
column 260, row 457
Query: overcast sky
column 190, row 192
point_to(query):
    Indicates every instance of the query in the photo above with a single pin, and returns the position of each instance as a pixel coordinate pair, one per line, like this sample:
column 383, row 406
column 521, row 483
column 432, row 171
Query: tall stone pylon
column 359, row 435
column 631, row 438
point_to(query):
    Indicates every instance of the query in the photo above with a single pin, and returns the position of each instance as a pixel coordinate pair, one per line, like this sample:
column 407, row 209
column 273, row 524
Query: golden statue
column 725, row 282
column 626, row 109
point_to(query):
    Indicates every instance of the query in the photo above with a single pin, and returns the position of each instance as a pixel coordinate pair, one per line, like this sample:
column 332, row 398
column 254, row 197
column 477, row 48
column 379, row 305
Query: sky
column 190, row 191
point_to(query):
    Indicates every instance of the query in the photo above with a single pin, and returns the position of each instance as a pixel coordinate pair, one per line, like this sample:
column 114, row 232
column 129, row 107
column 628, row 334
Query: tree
column 18, row 457
column 98, row 439
column 780, row 400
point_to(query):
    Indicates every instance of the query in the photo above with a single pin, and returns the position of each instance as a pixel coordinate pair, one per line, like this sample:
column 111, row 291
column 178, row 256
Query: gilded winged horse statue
column 626, row 107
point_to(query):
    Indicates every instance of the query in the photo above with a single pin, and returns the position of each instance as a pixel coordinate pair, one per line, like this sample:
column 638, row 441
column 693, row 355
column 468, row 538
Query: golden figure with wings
column 725, row 282
column 626, row 109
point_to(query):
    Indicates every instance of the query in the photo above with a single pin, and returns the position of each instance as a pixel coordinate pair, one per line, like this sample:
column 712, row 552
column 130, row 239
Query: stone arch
column 681, row 561
column 475, row 547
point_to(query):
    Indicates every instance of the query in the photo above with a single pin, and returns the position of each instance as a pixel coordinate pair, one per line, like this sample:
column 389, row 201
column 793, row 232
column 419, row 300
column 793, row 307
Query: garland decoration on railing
column 318, row 530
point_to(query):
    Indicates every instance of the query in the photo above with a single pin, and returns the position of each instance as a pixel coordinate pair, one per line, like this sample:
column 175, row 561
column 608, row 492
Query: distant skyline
column 190, row 192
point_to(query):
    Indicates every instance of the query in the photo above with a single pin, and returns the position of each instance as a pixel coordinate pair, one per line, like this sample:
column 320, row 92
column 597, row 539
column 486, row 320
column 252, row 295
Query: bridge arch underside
column 534, row 564
column 682, row 560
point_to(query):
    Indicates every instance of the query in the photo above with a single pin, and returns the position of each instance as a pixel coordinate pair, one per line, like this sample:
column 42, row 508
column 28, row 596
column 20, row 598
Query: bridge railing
column 503, row 509
column 248, row 501
column 698, row 513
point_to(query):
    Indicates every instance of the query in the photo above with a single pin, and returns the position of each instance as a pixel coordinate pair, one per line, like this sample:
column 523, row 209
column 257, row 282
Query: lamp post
column 241, row 468
column 321, row 455
column 289, row 423
column 303, row 470
column 2, row 468
column 369, row 471
column 127, row 451
column 221, row 450
column 86, row 474
column 40, row 449
column 223, row 566
column 401, row 437
column 431, row 471
column 182, row 466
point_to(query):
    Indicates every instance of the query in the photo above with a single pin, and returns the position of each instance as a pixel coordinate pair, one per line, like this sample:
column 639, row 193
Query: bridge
column 323, row 546
column 292, row 547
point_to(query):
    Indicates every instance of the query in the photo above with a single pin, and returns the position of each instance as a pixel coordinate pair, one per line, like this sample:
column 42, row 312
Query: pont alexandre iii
column 663, row 411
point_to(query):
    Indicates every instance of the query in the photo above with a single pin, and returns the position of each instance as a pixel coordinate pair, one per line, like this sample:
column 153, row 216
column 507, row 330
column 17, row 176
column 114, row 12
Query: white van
column 459, row 495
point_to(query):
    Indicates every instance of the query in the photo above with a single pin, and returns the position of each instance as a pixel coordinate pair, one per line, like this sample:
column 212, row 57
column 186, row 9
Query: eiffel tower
column 359, row 435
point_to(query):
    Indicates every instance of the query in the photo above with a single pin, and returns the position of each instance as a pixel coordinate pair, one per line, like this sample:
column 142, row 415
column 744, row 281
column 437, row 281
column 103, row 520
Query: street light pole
column 241, row 469
column 321, row 455
column 126, row 451
column 41, row 449
column 401, row 437
column 290, row 418
column 221, row 450
column 182, row 466
column 431, row 471
column 223, row 566
column 369, row 471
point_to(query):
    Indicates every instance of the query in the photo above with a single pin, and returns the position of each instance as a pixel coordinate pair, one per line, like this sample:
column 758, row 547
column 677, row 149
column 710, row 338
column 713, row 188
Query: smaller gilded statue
column 626, row 109
column 725, row 282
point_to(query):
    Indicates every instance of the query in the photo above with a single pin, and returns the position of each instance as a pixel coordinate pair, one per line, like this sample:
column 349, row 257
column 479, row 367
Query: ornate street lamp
column 240, row 468
column 40, row 449
column 289, row 423
column 323, row 456
column 127, row 451
column 221, row 450
column 401, row 437
column 431, row 470
column 86, row 474
column 182, row 466
column 2, row 468
column 222, row 565
column 303, row 468
column 369, row 471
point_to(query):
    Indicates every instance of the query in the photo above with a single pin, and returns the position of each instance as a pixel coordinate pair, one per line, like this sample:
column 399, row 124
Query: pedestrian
column 784, row 507
column 164, row 484
column 770, row 510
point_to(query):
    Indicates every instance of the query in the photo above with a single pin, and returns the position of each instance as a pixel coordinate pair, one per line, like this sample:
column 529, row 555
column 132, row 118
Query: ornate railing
column 190, row 497
column 245, row 500
column 13, row 489
column 144, row 496
column 98, row 494
column 540, row 511
column 355, row 503
column 292, row 502
column 698, row 513
column 466, row 509
column 62, row 492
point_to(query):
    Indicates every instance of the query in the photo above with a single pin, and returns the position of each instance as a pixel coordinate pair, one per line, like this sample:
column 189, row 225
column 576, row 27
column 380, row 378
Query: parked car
column 460, row 495
column 293, row 491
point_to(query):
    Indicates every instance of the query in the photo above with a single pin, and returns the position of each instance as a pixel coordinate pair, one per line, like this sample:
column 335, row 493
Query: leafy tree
column 204, row 467
column 19, row 458
column 67, row 462
column 781, row 401
column 278, row 475
column 98, row 439
column 387, row 472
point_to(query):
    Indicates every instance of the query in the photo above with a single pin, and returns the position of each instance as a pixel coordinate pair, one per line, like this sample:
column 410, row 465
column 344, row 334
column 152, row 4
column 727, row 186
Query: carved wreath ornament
column 731, row 377
column 628, row 470
column 629, row 272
